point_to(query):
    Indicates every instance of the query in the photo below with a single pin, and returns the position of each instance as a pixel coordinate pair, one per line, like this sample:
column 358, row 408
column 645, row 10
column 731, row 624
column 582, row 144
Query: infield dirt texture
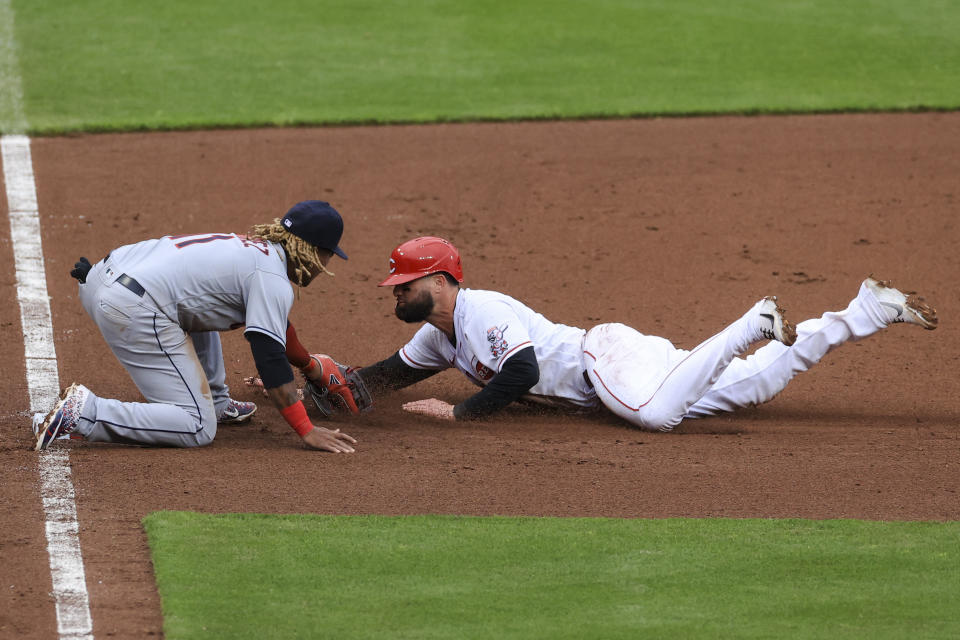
column 673, row 226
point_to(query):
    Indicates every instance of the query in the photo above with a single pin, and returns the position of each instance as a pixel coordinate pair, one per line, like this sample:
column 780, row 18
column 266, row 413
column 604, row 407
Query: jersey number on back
column 257, row 243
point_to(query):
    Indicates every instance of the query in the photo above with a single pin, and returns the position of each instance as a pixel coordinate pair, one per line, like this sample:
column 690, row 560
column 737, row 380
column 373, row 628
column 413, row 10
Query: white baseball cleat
column 773, row 324
column 905, row 307
column 63, row 418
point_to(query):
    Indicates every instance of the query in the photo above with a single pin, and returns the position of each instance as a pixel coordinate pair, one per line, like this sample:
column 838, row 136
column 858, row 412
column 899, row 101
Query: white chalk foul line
column 63, row 546
column 56, row 489
column 43, row 383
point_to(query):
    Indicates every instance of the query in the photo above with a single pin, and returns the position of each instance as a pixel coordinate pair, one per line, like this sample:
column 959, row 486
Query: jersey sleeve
column 268, row 299
column 424, row 349
column 495, row 333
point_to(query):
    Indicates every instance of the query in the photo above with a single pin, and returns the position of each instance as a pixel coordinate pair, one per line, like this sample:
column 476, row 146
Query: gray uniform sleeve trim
column 281, row 339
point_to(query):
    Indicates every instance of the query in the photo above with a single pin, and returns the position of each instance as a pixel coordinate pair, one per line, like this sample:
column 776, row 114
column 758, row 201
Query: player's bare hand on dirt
column 257, row 383
column 327, row 440
column 431, row 407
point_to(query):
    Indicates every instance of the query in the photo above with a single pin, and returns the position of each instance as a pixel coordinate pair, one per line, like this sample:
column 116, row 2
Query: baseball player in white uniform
column 513, row 352
column 160, row 304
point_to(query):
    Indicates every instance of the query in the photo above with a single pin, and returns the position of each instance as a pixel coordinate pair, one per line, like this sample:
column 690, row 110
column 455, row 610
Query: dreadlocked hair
column 301, row 254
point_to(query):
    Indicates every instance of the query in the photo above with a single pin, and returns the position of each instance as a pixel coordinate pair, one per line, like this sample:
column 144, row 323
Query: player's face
column 314, row 271
column 414, row 300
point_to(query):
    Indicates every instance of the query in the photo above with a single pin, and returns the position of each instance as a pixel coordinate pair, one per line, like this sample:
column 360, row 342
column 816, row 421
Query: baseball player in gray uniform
column 513, row 352
column 160, row 305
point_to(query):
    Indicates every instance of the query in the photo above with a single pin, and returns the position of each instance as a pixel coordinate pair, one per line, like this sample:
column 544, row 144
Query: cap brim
column 339, row 252
column 401, row 278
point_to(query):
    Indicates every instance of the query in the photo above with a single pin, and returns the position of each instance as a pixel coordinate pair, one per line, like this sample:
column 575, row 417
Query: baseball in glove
column 339, row 388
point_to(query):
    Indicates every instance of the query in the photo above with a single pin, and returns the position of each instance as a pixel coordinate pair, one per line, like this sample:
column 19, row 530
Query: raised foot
column 773, row 322
column 904, row 307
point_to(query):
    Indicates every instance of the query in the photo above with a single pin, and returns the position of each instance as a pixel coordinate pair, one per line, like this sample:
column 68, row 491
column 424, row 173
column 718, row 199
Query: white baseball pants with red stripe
column 650, row 383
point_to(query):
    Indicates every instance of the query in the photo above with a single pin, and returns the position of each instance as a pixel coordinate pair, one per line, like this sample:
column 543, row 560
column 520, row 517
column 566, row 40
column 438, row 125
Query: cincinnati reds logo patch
column 498, row 345
column 483, row 372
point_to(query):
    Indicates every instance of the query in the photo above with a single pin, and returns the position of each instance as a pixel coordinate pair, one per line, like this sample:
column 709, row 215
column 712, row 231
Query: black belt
column 131, row 284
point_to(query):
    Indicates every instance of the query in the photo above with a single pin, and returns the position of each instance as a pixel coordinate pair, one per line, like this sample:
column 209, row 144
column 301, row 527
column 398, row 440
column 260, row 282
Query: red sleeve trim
column 511, row 351
column 413, row 362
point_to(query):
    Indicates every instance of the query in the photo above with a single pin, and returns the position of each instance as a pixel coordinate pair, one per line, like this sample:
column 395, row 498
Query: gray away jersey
column 214, row 281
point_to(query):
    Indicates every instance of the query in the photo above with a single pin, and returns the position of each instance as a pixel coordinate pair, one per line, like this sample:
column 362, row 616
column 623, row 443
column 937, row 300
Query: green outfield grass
column 131, row 64
column 254, row 576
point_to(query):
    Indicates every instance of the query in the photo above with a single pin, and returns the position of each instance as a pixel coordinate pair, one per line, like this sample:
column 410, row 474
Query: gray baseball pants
column 181, row 376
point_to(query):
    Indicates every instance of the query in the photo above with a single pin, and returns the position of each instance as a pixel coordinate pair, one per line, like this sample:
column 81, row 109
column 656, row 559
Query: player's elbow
column 531, row 375
column 524, row 369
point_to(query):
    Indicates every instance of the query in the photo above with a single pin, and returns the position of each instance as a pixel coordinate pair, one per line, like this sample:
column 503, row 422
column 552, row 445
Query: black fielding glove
column 81, row 269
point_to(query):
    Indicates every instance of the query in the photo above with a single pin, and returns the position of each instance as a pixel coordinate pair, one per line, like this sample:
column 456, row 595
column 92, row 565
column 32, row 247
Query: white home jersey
column 212, row 282
column 490, row 327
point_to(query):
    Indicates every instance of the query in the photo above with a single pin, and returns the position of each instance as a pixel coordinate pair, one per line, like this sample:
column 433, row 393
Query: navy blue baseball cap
column 316, row 222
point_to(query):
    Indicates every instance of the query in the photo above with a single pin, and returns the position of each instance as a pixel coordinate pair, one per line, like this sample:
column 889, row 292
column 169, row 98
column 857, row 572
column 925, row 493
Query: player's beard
column 416, row 310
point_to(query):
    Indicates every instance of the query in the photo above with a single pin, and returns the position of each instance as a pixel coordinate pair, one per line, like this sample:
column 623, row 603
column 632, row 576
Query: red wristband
column 310, row 366
column 296, row 417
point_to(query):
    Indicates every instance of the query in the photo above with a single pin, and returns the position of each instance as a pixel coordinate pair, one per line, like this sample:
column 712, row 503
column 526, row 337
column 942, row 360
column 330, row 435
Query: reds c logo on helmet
column 421, row 257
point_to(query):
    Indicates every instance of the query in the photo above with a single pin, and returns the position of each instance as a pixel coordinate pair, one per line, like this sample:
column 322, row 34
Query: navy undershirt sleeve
column 270, row 356
column 392, row 374
column 518, row 374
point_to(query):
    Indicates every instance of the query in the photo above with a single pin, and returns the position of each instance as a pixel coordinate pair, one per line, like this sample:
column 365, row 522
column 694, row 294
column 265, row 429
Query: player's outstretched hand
column 431, row 407
column 257, row 383
column 327, row 440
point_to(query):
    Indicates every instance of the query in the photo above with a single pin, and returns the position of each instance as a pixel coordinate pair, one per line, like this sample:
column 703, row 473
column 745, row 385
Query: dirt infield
column 673, row 226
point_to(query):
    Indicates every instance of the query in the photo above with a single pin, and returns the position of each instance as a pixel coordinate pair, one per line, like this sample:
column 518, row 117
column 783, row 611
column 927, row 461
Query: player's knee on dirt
column 650, row 417
column 658, row 418
column 659, row 413
column 208, row 426
column 202, row 430
column 201, row 433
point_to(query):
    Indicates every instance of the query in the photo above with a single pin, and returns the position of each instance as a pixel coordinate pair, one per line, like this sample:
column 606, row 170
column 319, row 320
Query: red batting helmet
column 421, row 257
